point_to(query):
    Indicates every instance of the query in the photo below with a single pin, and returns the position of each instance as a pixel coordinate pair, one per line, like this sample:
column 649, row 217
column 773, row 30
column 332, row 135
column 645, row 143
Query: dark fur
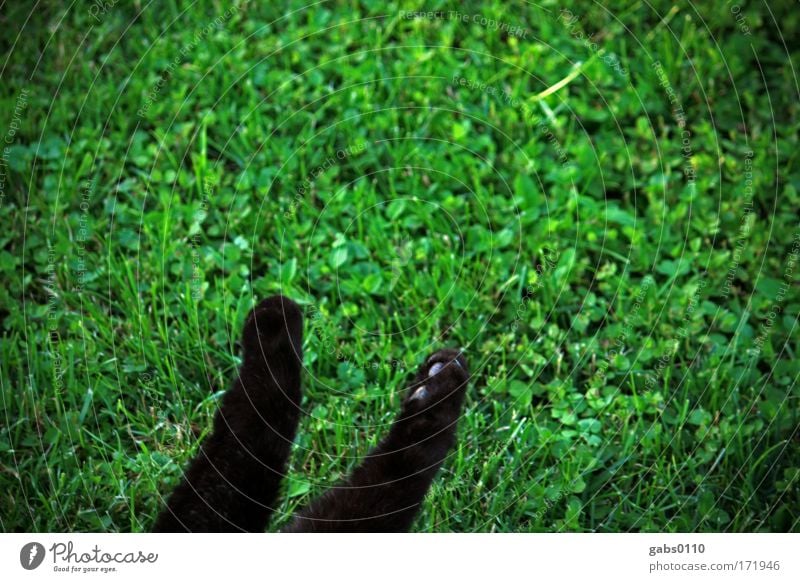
column 232, row 483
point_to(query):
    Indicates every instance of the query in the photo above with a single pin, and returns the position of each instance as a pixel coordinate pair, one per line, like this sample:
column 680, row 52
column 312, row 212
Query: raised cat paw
column 437, row 392
column 275, row 324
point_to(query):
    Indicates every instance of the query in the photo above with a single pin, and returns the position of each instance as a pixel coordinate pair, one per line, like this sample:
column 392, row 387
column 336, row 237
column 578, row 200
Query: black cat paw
column 274, row 326
column 443, row 377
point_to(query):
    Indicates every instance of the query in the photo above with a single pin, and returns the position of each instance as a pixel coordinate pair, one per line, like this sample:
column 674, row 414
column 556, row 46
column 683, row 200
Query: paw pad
column 420, row 393
column 435, row 369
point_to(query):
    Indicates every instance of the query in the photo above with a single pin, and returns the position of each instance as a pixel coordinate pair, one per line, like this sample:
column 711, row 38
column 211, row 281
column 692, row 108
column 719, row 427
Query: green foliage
column 600, row 208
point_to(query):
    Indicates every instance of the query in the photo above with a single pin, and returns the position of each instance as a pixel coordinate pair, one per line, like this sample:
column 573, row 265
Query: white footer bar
column 349, row 558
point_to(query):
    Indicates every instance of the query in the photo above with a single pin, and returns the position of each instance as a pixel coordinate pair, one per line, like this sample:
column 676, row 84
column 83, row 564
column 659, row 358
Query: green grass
column 628, row 302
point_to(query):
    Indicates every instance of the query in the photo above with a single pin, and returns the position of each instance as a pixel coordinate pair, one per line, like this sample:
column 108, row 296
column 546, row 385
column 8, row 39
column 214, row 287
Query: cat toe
column 439, row 360
column 420, row 393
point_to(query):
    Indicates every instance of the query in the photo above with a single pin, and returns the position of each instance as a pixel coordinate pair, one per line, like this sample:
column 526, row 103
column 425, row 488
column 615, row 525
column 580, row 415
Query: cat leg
column 384, row 493
column 233, row 481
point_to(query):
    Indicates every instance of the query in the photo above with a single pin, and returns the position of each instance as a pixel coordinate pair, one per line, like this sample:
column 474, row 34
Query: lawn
column 599, row 204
